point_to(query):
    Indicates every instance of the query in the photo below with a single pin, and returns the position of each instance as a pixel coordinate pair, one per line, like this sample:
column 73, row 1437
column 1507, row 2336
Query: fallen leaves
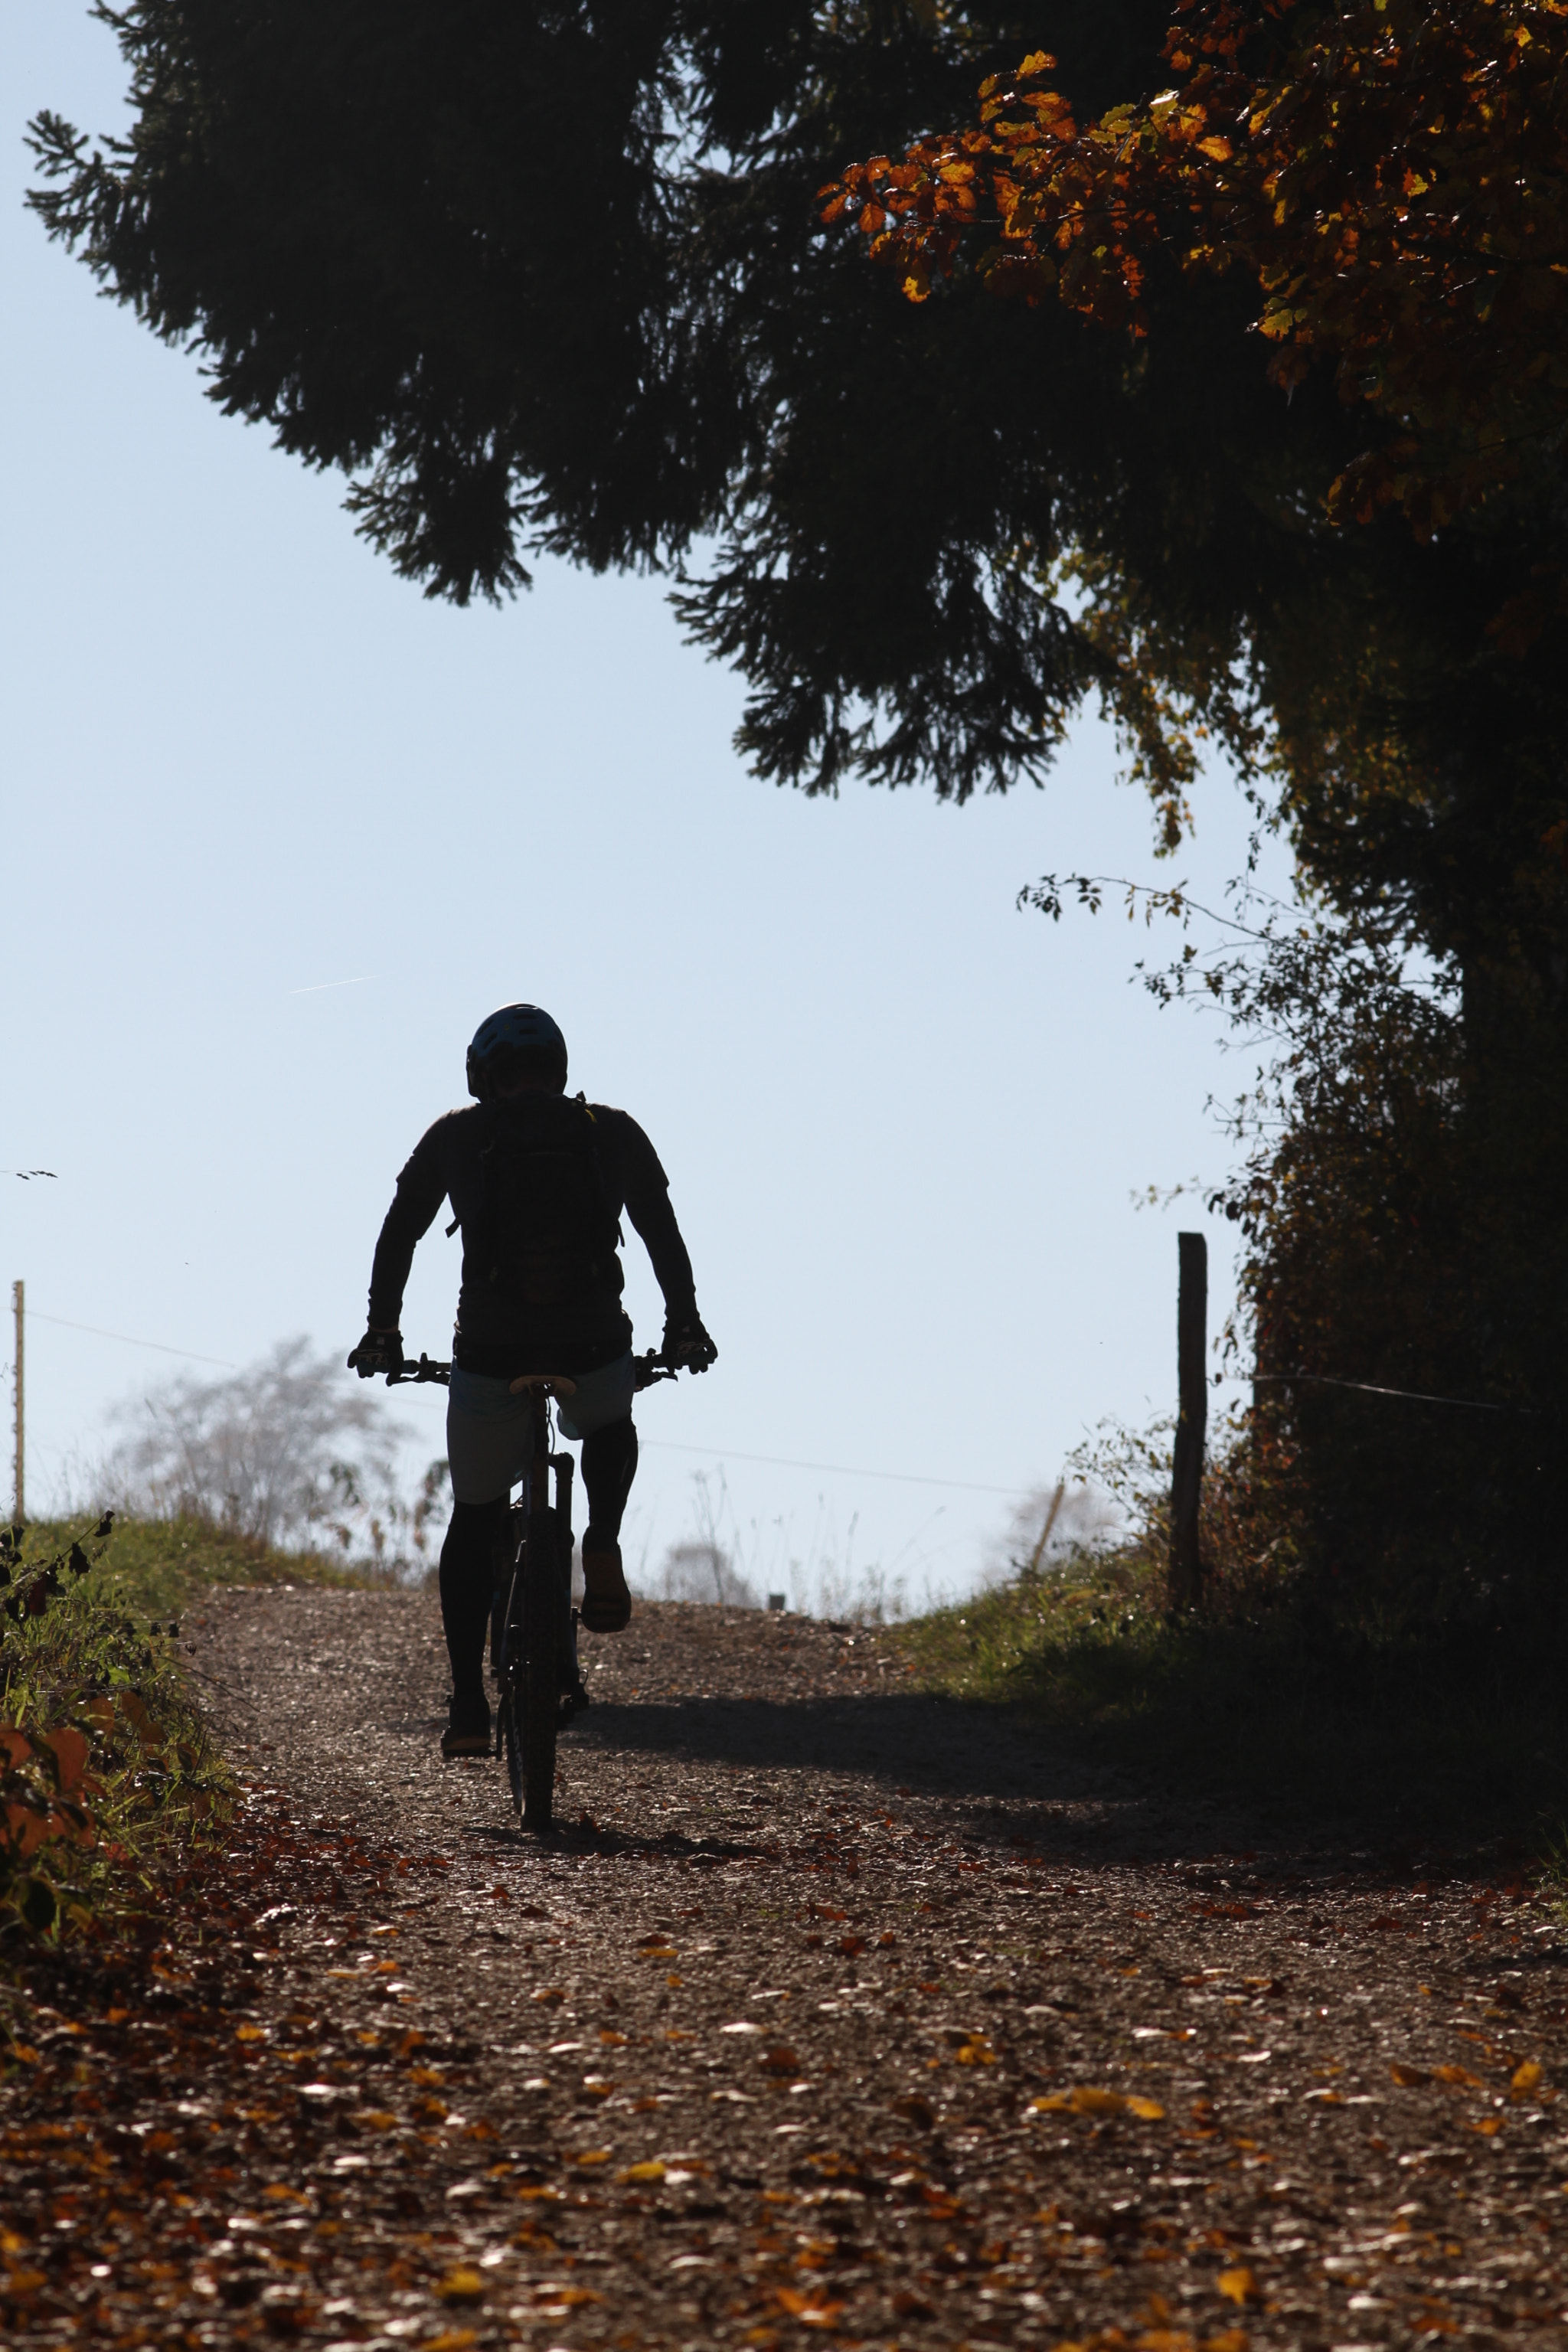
column 1239, row 2285
column 1087, row 2101
column 812, row 2311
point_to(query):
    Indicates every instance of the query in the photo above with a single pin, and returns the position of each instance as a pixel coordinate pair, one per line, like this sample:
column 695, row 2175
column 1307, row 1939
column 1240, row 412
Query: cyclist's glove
column 685, row 1343
column 378, row 1352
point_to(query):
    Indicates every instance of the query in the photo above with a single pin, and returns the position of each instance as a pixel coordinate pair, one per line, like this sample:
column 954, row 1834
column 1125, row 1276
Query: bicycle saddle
column 559, row 1383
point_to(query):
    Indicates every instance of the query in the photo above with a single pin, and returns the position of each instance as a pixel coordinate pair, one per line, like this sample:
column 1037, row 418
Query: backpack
column 545, row 1236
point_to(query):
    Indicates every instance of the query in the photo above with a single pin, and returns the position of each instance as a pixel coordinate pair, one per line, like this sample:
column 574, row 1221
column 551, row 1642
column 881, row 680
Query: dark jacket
column 499, row 1333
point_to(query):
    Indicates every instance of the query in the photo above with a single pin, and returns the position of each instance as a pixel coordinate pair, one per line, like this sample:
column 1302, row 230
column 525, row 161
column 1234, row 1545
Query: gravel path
column 835, row 2008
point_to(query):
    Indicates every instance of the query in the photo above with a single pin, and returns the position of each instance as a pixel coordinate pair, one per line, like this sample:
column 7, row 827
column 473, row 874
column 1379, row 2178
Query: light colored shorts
column 489, row 1432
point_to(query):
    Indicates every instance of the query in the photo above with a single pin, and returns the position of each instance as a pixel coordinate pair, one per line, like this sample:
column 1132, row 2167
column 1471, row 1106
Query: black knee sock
column 468, row 1577
column 609, row 1466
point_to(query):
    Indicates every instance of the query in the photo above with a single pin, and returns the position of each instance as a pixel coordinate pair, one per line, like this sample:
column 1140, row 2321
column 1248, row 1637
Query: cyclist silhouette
column 538, row 1182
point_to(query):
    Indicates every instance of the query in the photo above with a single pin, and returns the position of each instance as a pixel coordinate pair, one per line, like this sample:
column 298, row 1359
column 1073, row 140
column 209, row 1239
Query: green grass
column 1437, row 1735
column 159, row 1568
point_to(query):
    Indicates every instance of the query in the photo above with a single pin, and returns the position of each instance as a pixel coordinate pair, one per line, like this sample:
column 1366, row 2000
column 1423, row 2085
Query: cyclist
column 537, row 1181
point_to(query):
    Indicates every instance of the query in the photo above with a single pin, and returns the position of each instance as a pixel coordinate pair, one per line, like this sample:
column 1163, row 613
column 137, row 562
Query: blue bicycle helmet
column 522, row 1032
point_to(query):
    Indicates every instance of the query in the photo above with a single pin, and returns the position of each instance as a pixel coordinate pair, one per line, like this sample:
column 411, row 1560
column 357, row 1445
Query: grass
column 159, row 1568
column 1423, row 1734
column 106, row 1766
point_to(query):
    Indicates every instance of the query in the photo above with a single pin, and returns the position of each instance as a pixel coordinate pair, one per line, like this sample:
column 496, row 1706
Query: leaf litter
column 1031, row 2058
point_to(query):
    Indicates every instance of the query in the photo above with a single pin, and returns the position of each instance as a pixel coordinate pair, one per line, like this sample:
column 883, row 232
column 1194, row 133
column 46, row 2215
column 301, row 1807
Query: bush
column 105, row 1762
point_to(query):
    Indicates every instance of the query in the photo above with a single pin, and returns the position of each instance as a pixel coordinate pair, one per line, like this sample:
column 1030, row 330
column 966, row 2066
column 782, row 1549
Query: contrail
column 316, row 985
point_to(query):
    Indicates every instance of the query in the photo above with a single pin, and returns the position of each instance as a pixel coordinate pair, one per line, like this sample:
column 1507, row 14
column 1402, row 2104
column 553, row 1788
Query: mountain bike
column 534, row 1626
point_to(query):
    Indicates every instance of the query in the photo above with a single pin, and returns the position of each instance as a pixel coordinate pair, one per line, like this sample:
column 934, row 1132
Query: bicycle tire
column 540, row 1676
column 511, row 1742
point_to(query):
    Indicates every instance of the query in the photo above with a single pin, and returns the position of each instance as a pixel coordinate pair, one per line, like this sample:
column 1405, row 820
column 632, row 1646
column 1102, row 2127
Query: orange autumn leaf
column 1391, row 175
column 806, row 2308
column 1237, row 2286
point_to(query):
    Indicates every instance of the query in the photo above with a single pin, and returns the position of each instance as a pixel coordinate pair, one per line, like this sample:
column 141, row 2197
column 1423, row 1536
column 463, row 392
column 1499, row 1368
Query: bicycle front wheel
column 511, row 1712
column 538, row 1683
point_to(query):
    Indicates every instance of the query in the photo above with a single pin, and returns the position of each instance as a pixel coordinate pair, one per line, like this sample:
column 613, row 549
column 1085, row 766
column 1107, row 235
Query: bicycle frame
column 534, row 1651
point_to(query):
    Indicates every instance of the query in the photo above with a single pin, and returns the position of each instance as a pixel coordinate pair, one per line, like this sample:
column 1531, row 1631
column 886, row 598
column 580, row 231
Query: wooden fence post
column 1186, row 1576
column 19, row 1467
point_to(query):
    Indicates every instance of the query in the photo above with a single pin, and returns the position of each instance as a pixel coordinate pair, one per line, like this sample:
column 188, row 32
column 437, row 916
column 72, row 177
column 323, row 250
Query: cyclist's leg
column 468, row 1578
column 489, row 1432
column 600, row 1414
column 609, row 1466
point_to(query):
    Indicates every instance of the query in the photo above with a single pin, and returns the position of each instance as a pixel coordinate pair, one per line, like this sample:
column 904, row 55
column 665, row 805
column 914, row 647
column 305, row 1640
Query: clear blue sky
column 242, row 762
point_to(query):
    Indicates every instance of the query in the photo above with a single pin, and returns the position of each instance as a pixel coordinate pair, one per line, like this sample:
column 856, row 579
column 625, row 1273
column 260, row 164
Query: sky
column 278, row 833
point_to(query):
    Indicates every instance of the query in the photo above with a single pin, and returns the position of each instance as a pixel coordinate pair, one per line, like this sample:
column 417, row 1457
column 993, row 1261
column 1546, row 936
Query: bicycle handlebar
column 645, row 1371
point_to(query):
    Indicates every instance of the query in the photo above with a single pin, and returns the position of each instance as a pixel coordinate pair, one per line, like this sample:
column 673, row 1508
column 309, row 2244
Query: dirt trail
column 834, row 2009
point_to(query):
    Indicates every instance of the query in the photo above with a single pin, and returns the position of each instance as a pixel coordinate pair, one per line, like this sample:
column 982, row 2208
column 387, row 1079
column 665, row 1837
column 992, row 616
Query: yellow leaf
column 1459, row 2078
column 464, row 2284
column 1229, row 2339
column 1053, row 2106
column 450, row 2339
column 250, row 2033
column 1087, row 2102
column 377, row 2119
column 653, row 2170
column 1237, row 2286
column 1148, row 2111
column 593, row 2156
column 1487, row 2125
column 1526, row 2077
column 1410, row 2077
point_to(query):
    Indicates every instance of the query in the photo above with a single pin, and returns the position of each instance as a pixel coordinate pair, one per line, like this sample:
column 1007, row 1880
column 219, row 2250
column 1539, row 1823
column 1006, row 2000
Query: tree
column 288, row 1451
column 1394, row 175
column 558, row 278
column 553, row 278
column 1387, row 185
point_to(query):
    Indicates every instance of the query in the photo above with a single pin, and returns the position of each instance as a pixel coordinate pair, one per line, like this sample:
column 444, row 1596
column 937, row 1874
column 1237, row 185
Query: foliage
column 1394, row 175
column 1317, row 1696
column 617, row 332
column 1399, row 1196
column 105, row 1762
